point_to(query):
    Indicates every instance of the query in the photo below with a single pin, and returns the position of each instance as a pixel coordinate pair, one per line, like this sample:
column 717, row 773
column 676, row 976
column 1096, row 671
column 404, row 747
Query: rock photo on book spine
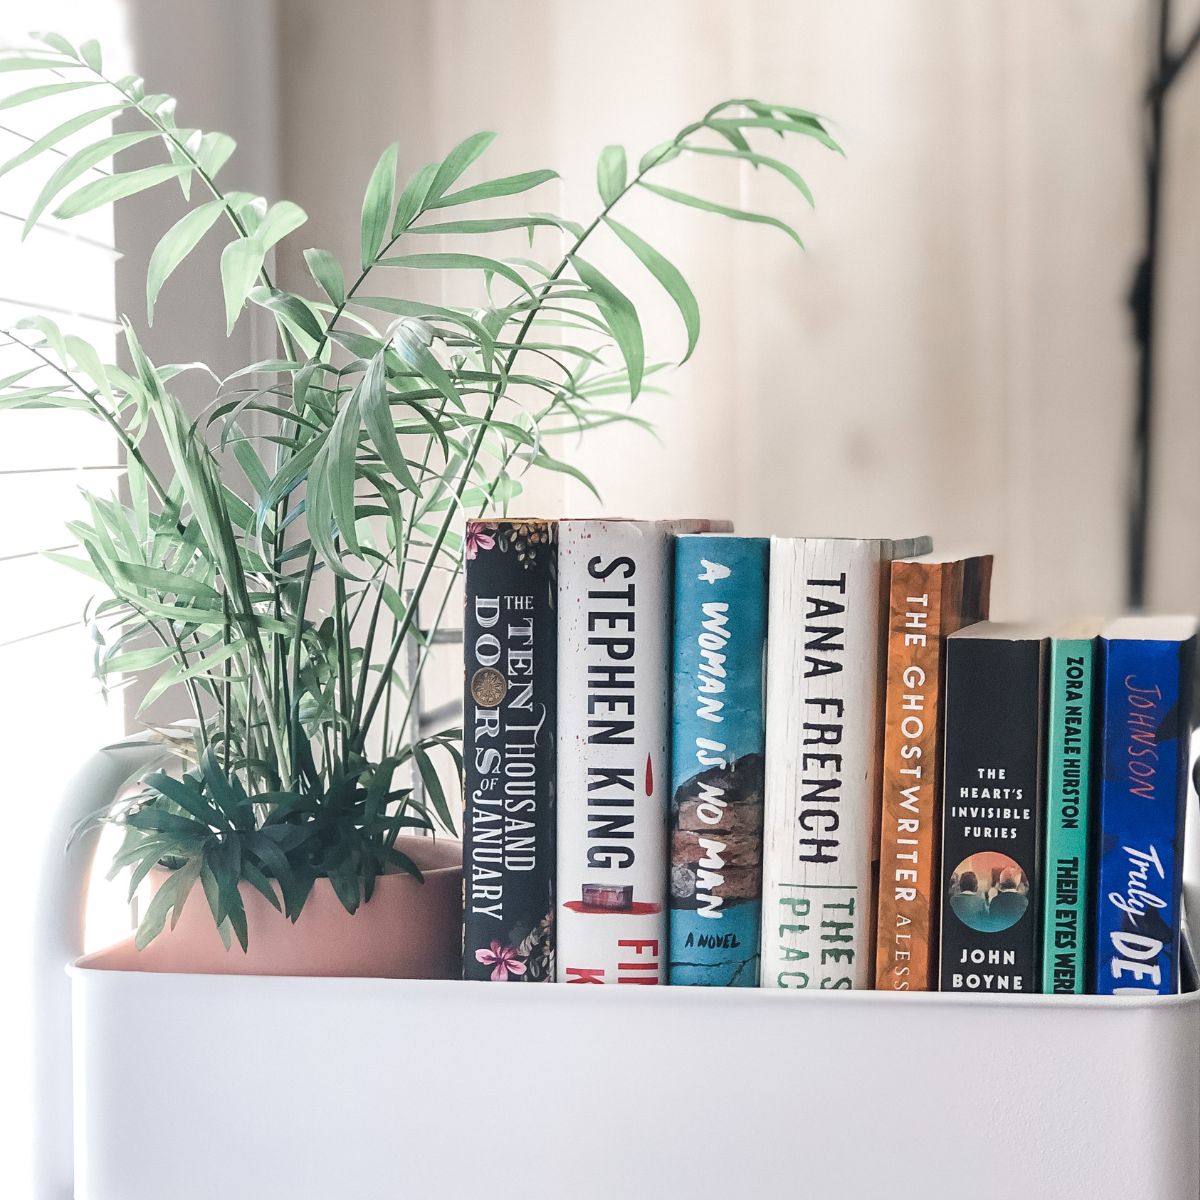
column 825, row 647
column 929, row 600
column 1148, row 665
column 613, row 783
column 510, row 648
column 717, row 759
column 991, row 873
column 1069, row 747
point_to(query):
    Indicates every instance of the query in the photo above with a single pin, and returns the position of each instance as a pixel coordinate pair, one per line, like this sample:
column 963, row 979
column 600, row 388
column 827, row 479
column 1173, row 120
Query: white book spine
column 614, row 589
column 825, row 658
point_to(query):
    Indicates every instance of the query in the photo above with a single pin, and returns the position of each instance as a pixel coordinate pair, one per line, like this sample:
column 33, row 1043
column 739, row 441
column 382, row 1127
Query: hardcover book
column 1069, row 720
column 928, row 601
column 825, row 659
column 1147, row 665
column 510, row 647
column 717, row 748
column 991, row 872
column 614, row 695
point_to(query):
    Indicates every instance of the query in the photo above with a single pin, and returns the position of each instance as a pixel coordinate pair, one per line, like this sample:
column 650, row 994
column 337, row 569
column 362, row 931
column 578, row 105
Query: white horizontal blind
column 46, row 454
column 51, row 710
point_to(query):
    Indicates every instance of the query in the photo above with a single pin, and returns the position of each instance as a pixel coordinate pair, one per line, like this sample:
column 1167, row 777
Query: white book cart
column 191, row 1087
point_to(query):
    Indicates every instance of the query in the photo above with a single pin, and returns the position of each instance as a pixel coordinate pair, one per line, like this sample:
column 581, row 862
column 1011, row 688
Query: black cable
column 1141, row 303
column 1165, row 71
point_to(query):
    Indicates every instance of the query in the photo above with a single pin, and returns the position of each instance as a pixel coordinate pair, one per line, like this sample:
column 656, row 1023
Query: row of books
column 697, row 758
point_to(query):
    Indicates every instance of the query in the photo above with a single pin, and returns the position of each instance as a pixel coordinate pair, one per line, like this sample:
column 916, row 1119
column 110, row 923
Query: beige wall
column 952, row 353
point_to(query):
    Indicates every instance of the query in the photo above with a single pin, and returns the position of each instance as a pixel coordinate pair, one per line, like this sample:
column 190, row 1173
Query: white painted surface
column 312, row 1088
column 369, row 1089
column 60, row 902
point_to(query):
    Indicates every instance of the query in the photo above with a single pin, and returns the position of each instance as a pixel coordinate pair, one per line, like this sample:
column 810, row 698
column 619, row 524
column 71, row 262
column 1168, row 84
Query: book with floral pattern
column 509, row 729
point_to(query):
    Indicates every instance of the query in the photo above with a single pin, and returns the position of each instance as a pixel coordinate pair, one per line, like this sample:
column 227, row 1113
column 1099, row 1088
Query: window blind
column 65, row 273
column 52, row 713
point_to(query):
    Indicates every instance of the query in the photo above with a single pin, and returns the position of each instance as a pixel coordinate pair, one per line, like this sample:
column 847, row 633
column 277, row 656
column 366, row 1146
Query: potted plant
column 342, row 465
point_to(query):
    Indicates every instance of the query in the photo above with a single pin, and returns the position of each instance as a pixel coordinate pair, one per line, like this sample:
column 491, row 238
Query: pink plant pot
column 408, row 930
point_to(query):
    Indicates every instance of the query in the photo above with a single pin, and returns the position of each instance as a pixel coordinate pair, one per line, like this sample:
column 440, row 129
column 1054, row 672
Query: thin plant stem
column 93, row 398
column 478, row 439
column 342, row 649
column 227, row 700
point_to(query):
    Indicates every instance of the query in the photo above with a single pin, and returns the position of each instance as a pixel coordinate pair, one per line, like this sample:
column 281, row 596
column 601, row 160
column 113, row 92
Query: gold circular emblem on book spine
column 488, row 687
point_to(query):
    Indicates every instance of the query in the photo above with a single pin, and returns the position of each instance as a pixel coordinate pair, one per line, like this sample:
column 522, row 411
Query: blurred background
column 960, row 350
column 954, row 353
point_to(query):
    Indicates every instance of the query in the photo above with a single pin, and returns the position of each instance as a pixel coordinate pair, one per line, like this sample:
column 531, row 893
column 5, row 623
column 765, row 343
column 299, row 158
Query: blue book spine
column 1143, row 787
column 720, row 626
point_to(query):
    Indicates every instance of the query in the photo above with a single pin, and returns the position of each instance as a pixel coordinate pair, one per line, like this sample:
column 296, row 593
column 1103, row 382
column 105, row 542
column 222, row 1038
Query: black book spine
column 991, row 875
column 509, row 732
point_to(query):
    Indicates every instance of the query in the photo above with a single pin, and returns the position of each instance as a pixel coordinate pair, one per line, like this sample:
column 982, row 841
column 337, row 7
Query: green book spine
column 1068, row 815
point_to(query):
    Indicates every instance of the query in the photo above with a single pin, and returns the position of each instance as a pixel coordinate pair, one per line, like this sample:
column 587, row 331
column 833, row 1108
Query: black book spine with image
column 510, row 646
column 991, row 876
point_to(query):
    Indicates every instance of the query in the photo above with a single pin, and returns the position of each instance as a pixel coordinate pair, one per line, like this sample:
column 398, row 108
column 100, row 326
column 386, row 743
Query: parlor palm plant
column 352, row 456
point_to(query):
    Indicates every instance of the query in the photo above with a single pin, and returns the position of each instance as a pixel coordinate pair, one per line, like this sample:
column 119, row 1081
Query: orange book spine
column 923, row 598
column 928, row 601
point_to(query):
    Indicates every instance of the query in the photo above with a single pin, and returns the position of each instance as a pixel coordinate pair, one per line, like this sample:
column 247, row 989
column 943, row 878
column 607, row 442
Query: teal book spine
column 720, row 624
column 1068, row 815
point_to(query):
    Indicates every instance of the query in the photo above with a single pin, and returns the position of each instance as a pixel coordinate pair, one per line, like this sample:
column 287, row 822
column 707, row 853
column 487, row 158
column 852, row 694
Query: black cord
column 1165, row 71
column 1141, row 303
column 1177, row 62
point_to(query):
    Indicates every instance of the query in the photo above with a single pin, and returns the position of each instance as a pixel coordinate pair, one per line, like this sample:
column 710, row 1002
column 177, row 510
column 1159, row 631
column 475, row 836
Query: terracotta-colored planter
column 409, row 930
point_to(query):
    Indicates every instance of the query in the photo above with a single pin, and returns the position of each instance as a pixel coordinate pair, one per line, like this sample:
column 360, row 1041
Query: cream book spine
column 614, row 687
column 825, row 685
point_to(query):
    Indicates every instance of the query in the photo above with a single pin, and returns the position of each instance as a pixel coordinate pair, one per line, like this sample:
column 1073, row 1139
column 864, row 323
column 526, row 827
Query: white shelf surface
column 310, row 1088
column 248, row 1088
